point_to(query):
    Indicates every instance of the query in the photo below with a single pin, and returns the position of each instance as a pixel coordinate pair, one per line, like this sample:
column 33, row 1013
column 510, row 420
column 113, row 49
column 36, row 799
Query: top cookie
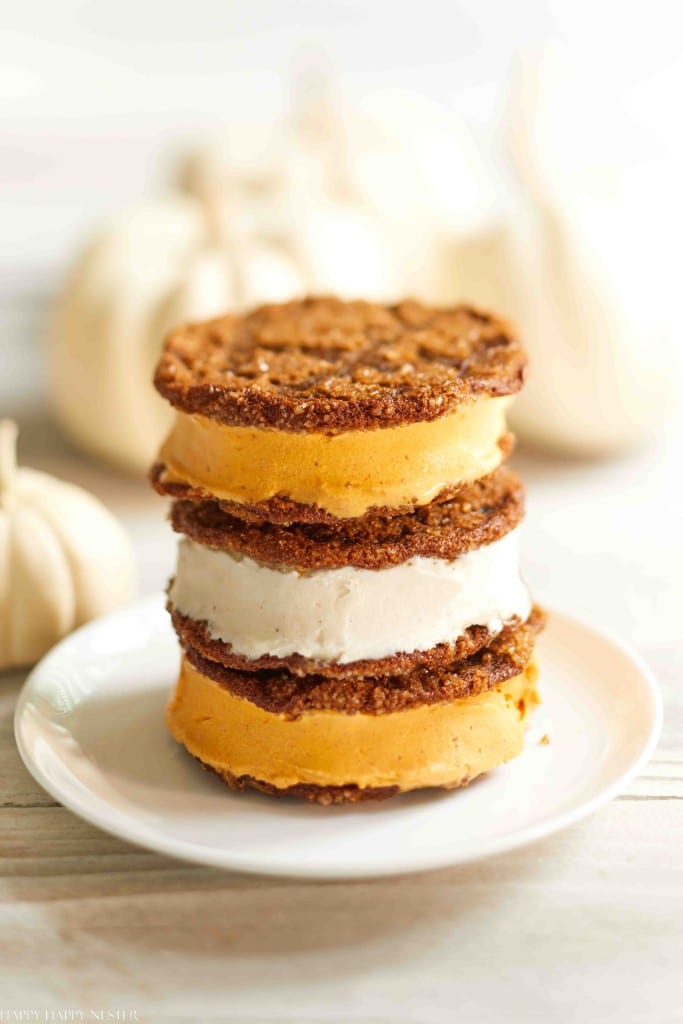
column 324, row 365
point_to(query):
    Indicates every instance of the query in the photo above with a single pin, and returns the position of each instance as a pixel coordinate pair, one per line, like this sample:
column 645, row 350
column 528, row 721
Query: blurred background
column 165, row 162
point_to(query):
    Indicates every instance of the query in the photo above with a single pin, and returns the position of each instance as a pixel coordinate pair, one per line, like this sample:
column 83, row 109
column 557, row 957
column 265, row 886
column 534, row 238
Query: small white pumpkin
column 64, row 559
column 581, row 264
column 190, row 257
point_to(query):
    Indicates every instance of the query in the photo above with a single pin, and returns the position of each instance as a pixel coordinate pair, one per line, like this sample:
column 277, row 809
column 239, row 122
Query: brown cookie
column 324, row 365
column 280, row 692
column 478, row 514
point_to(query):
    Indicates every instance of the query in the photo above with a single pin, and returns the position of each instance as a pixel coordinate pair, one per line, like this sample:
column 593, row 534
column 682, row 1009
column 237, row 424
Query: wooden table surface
column 585, row 926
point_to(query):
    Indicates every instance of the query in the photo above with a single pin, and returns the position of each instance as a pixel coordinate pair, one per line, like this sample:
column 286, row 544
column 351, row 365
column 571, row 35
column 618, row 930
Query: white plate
column 89, row 726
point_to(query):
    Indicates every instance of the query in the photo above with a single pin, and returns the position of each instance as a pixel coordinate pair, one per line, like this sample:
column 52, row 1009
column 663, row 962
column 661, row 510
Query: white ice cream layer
column 348, row 614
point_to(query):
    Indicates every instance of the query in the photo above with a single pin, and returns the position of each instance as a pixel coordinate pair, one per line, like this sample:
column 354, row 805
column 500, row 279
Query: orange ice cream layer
column 344, row 474
column 445, row 744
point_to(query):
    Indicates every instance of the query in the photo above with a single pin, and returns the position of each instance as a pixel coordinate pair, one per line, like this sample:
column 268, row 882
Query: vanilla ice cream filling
column 345, row 615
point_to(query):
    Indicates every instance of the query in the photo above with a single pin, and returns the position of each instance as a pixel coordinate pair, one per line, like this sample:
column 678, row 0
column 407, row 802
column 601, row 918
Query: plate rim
column 440, row 858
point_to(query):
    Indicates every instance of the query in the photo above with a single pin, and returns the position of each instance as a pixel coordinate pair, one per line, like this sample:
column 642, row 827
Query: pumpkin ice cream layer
column 444, row 744
column 345, row 474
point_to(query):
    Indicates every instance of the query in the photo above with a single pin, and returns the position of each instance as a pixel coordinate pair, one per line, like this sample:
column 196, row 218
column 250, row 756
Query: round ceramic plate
column 89, row 726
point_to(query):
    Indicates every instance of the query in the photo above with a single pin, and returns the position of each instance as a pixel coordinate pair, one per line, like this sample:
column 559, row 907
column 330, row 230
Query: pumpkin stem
column 8, row 455
column 216, row 214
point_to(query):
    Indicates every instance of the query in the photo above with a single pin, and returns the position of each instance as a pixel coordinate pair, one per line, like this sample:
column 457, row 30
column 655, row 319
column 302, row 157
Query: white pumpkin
column 188, row 257
column 395, row 163
column 578, row 264
column 64, row 559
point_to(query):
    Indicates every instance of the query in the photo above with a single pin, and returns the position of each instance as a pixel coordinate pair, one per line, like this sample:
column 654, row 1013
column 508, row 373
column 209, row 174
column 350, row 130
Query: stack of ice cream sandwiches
column 347, row 597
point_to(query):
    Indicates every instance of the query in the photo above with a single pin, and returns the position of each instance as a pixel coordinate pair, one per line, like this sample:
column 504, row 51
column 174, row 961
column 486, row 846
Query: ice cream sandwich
column 347, row 596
